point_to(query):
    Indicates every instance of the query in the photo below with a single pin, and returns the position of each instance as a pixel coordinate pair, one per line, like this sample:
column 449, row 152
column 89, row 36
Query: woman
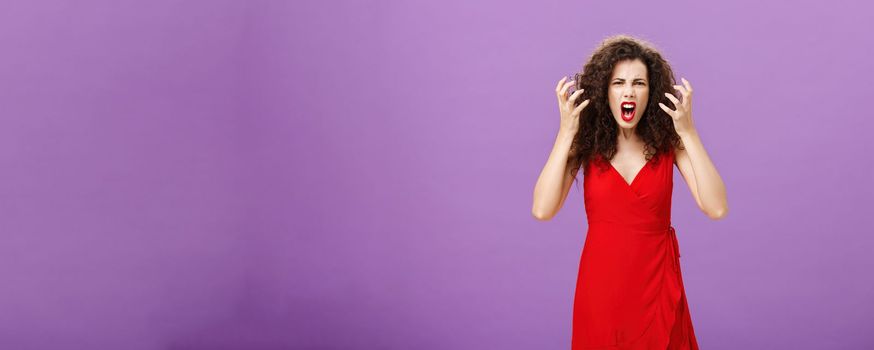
column 629, row 292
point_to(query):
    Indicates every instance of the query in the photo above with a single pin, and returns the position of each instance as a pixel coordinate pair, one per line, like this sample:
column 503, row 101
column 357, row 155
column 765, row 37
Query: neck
column 627, row 134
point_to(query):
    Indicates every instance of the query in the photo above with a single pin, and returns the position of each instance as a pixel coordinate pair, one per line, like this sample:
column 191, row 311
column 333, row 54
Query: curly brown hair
column 598, row 131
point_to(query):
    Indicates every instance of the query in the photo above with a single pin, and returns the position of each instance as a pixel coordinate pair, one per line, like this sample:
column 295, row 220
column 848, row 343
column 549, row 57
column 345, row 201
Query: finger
column 580, row 107
column 575, row 95
column 666, row 109
column 563, row 95
column 681, row 89
column 566, row 86
column 560, row 82
column 687, row 98
column 687, row 85
column 673, row 99
column 562, row 91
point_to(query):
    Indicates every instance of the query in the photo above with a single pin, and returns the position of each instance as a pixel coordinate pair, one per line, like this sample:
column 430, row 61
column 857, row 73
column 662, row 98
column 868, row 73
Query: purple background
column 358, row 175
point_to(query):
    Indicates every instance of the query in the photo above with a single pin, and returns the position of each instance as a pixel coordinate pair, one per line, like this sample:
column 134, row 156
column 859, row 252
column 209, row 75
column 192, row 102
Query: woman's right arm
column 556, row 178
column 554, row 181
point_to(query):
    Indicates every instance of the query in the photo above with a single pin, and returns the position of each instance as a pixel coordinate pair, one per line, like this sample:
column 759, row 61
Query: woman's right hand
column 570, row 116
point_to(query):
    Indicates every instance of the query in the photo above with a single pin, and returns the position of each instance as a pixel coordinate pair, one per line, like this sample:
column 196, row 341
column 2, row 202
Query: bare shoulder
column 679, row 154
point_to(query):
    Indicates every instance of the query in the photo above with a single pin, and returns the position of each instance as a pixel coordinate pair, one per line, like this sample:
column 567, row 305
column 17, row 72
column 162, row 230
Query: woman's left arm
column 710, row 189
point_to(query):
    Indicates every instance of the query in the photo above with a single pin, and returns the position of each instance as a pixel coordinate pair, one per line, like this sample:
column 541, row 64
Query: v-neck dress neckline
column 636, row 176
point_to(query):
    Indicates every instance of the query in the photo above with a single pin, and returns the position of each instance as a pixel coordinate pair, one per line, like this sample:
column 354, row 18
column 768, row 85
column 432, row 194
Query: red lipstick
column 628, row 110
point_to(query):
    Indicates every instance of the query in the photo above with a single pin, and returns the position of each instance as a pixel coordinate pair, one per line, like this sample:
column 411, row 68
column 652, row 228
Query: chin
column 627, row 125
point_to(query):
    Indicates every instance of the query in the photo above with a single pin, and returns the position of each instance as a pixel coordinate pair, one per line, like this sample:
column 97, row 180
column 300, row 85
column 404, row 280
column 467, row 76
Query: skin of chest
column 629, row 163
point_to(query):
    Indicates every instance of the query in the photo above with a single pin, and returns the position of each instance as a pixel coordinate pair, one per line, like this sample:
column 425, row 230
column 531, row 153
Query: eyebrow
column 636, row 79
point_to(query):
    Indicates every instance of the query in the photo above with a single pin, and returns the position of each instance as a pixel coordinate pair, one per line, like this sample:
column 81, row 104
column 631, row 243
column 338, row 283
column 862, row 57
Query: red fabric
column 629, row 292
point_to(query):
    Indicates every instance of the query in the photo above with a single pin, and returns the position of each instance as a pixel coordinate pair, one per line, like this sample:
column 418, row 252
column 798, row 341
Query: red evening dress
column 629, row 292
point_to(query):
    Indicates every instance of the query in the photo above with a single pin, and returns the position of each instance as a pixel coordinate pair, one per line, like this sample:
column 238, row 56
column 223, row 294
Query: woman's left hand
column 682, row 117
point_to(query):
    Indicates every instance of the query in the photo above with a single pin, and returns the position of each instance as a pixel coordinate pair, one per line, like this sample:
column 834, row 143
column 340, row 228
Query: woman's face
column 628, row 87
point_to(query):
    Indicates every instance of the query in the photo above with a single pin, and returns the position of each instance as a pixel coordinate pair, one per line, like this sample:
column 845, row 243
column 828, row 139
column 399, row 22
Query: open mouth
column 628, row 111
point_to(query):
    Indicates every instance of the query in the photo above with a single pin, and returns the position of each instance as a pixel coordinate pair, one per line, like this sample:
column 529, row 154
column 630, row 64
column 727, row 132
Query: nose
column 628, row 92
